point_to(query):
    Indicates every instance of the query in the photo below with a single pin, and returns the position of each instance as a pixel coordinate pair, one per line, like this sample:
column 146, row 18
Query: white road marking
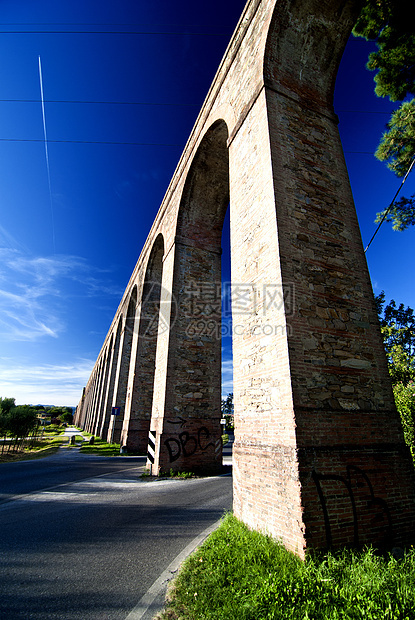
column 166, row 576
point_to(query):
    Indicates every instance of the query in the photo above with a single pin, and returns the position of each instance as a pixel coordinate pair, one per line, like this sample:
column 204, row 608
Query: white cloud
column 8, row 241
column 46, row 384
column 227, row 377
column 35, row 292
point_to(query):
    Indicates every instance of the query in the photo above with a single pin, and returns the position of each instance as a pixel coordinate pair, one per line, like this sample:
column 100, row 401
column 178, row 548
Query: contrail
column 47, row 154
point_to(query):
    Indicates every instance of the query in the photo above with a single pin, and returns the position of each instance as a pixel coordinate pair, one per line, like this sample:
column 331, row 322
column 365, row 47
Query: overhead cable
column 88, row 142
column 117, row 32
column 391, row 204
column 98, row 102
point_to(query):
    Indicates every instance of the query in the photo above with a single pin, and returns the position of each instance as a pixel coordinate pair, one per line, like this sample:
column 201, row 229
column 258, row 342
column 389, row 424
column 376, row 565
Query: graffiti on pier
column 354, row 492
column 186, row 444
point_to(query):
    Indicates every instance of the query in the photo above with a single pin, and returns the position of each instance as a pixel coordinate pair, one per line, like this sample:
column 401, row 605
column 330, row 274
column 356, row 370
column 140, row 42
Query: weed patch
column 238, row 574
column 177, row 474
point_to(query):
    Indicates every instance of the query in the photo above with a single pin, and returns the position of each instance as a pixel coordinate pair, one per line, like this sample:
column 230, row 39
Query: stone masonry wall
column 319, row 456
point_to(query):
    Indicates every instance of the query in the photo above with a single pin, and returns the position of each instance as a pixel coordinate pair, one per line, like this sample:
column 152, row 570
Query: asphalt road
column 67, row 465
column 90, row 547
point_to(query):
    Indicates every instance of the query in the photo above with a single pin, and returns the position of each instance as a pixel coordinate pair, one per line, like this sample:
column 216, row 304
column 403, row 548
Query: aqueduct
column 319, row 455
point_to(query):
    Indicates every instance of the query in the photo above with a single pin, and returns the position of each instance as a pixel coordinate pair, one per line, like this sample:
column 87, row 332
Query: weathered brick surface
column 137, row 416
column 319, row 456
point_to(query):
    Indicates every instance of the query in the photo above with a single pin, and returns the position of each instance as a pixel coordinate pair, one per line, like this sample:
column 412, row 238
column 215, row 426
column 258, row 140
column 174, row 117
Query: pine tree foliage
column 402, row 214
column 390, row 24
column 397, row 146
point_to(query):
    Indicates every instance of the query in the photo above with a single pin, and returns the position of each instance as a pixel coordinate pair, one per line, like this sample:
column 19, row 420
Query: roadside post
column 114, row 411
column 223, row 423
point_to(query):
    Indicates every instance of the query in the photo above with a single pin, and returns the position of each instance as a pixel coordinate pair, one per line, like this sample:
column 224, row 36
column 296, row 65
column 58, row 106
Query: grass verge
column 40, row 449
column 238, row 574
column 101, row 448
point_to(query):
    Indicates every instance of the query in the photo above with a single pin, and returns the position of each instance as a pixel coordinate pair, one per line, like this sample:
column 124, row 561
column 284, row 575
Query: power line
column 95, row 24
column 88, row 142
column 391, row 204
column 117, row 32
column 149, row 103
column 99, row 102
column 128, row 143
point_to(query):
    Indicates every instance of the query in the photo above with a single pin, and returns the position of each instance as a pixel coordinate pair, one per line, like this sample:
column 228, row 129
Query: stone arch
column 113, row 356
column 151, row 319
column 313, row 401
column 123, row 367
column 98, row 398
column 304, row 47
column 193, row 391
column 205, row 196
column 104, row 388
column 91, row 399
column 97, row 395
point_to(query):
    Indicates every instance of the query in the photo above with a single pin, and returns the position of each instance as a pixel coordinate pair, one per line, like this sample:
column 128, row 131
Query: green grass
column 38, row 449
column 101, row 448
column 53, row 428
column 78, row 438
column 238, row 574
column 177, row 474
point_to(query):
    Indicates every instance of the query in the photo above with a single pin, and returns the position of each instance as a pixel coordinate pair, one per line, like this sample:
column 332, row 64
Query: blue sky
column 119, row 108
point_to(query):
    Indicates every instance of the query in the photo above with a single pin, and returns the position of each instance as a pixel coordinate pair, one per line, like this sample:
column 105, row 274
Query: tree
column 227, row 411
column 405, row 404
column 6, row 404
column 21, row 421
column 55, row 412
column 388, row 23
column 398, row 331
column 227, row 405
column 59, row 415
column 397, row 147
column 66, row 417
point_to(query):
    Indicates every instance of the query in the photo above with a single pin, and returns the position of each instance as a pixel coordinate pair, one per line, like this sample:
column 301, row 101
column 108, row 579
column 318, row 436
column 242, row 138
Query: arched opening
column 227, row 323
column 136, row 427
column 120, row 397
column 193, row 394
column 104, row 389
column 206, row 192
column 113, row 360
column 100, row 393
column 91, row 401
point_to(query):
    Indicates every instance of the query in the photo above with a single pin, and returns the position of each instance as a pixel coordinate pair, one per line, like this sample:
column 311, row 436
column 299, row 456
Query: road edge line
column 166, row 576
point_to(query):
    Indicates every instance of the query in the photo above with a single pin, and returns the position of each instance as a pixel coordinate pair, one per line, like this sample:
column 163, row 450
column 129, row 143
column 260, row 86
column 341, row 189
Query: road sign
column 116, row 410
